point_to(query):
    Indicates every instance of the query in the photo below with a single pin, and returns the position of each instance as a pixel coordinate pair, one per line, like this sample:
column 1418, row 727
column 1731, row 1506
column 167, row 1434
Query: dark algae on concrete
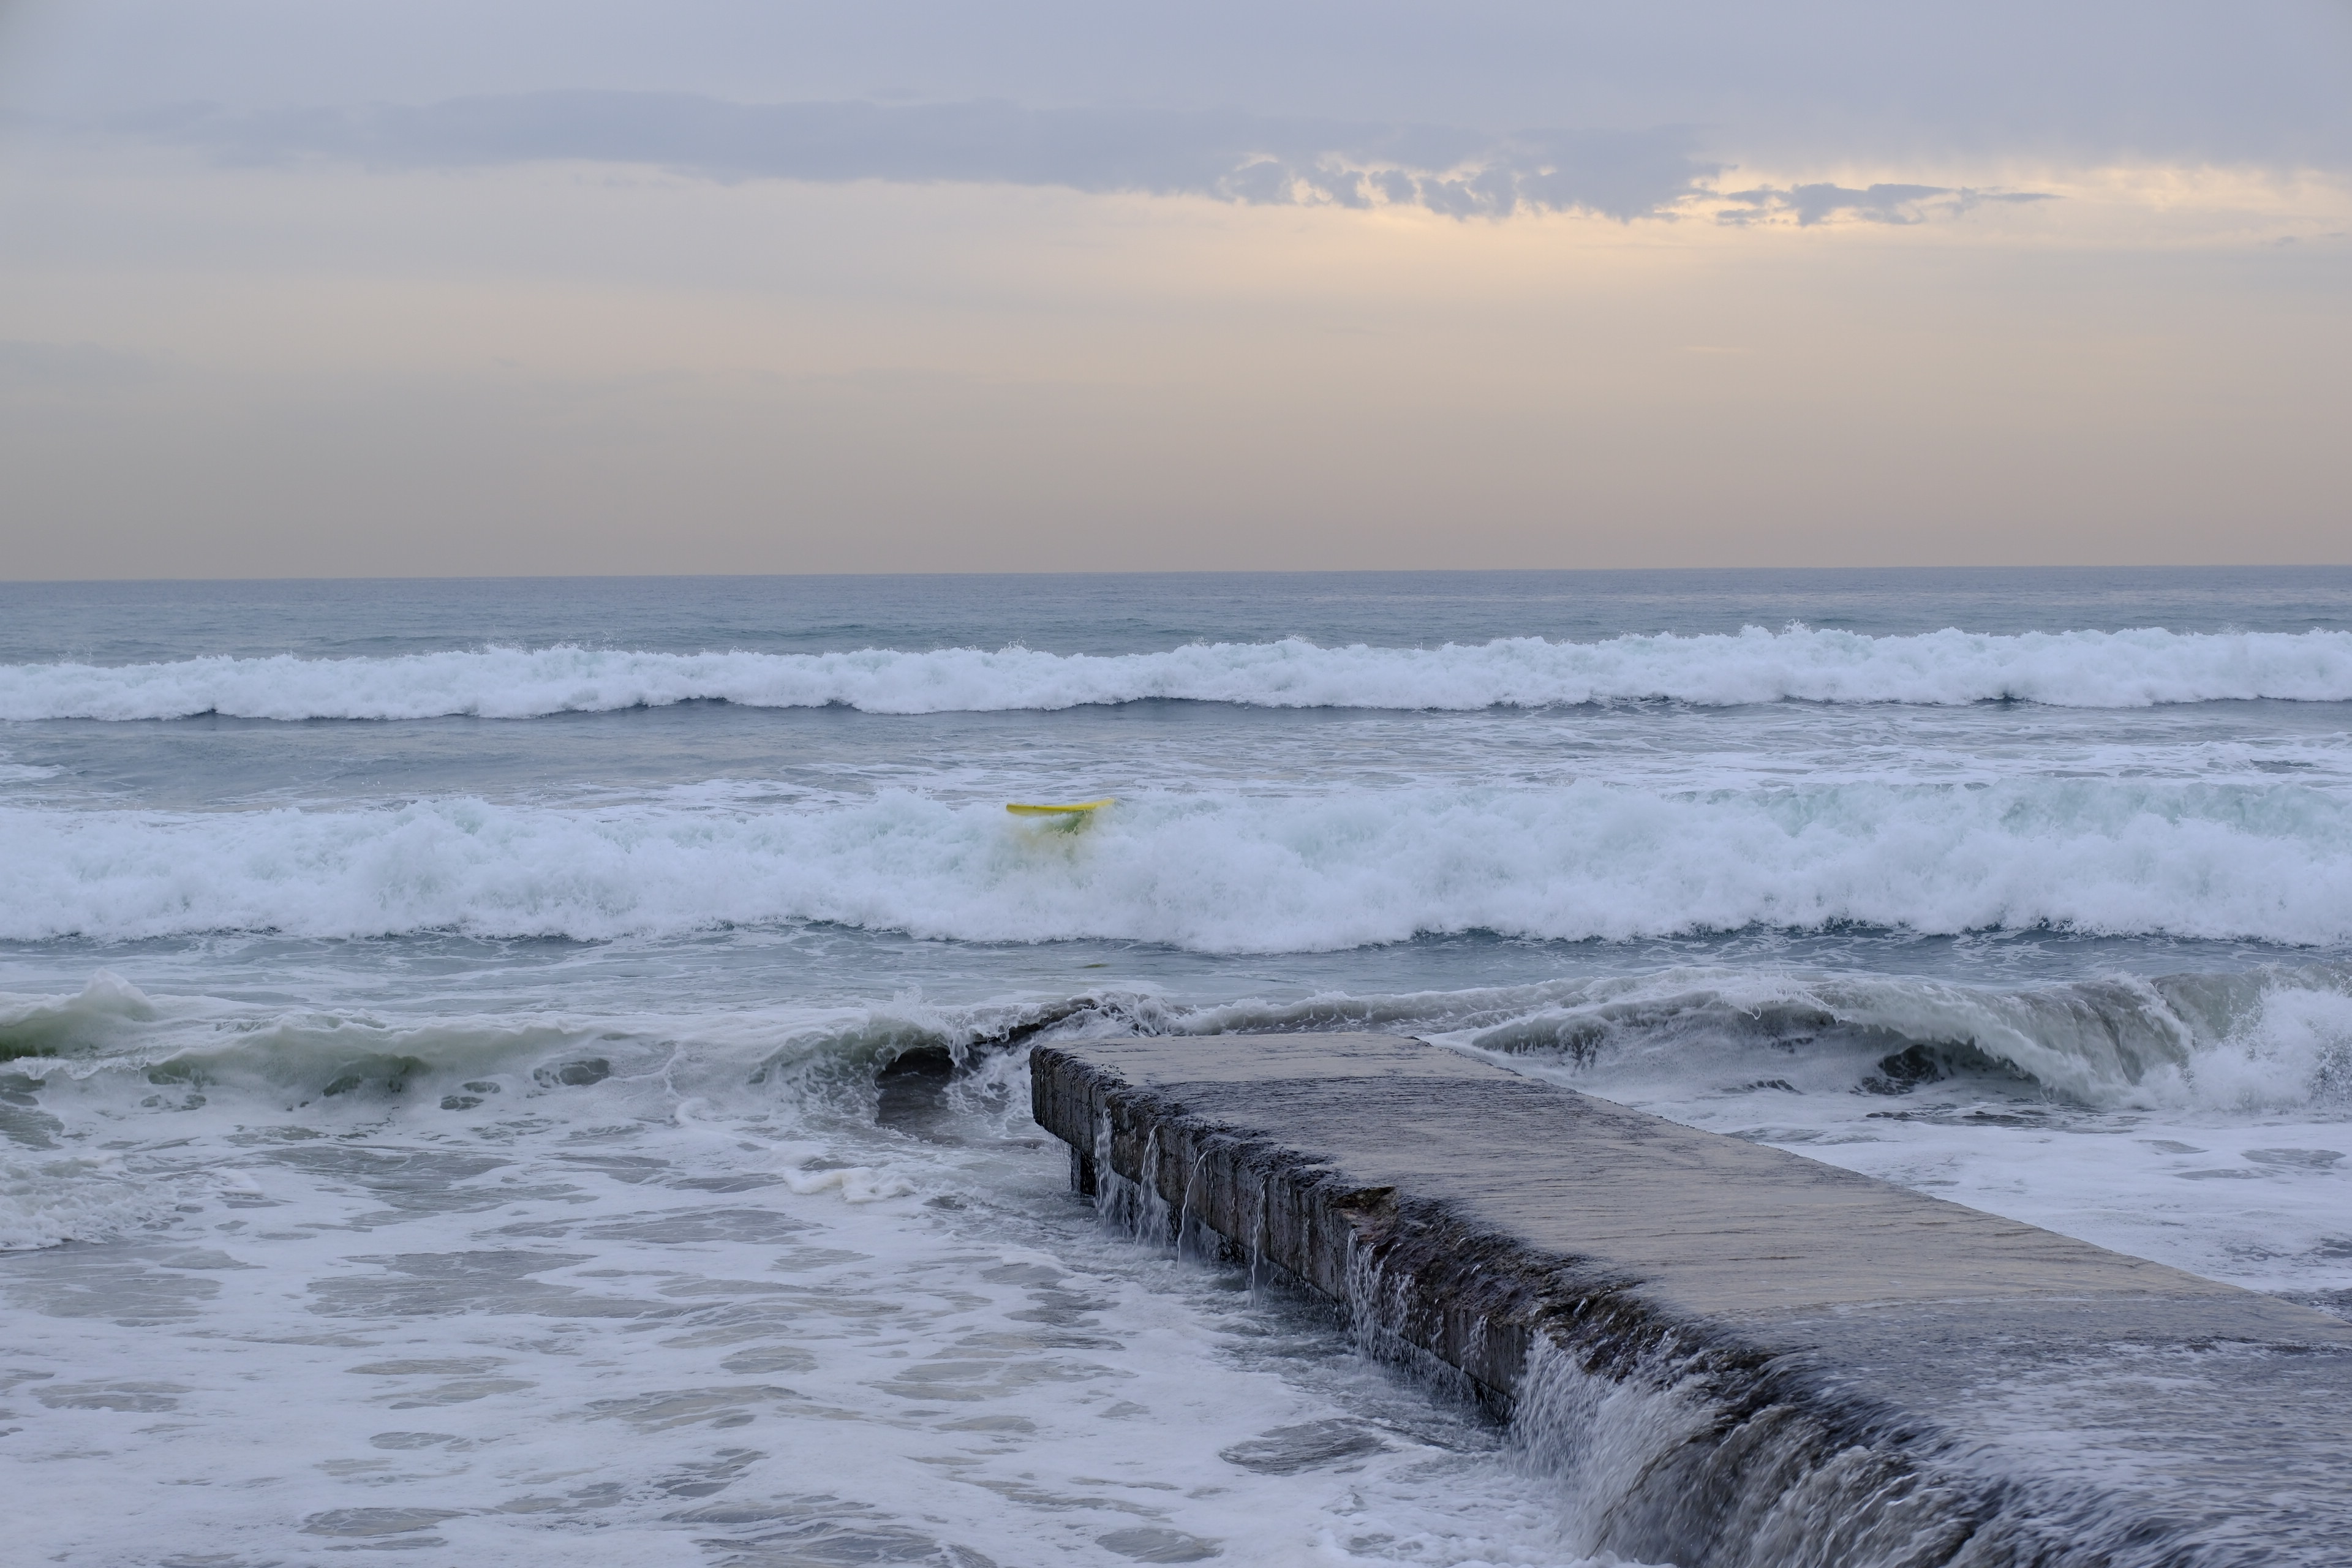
column 1725, row 1355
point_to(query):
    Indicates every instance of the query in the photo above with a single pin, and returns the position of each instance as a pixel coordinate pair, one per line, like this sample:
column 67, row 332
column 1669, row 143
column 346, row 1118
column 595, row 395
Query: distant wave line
column 2134, row 668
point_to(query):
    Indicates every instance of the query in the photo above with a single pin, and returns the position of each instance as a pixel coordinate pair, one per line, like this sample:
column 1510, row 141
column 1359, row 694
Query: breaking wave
column 2270, row 1041
column 2274, row 1037
column 2077, row 669
column 2263, row 862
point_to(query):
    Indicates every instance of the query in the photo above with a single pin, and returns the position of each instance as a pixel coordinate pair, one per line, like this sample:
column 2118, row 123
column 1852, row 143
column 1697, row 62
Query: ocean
column 534, row 1071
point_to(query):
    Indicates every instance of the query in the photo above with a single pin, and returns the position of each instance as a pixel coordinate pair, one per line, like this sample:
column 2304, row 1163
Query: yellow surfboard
column 1077, row 809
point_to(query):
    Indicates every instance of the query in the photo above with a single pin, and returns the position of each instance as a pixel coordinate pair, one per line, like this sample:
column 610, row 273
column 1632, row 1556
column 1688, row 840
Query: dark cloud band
column 1235, row 157
column 1261, row 159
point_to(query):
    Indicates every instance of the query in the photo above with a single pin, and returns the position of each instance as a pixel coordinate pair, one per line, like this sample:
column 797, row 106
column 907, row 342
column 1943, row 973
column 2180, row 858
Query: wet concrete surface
column 1734, row 1354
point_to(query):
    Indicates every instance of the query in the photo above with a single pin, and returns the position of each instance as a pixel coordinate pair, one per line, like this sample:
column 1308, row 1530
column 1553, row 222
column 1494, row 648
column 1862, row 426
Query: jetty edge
column 1725, row 1355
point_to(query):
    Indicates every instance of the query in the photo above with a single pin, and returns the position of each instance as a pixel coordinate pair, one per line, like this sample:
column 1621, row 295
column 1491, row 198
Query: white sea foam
column 2273, row 1038
column 2078, row 668
column 2243, row 1075
column 47, row 1198
column 657, row 1316
column 2294, row 1051
column 2269, row 862
column 2248, row 1040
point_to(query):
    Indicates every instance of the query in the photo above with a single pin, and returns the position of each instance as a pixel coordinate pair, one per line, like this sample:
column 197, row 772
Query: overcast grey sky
column 343, row 287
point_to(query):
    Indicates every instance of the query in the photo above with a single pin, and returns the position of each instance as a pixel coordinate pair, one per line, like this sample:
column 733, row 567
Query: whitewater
column 570, row 1035
column 2266, row 863
column 2134, row 668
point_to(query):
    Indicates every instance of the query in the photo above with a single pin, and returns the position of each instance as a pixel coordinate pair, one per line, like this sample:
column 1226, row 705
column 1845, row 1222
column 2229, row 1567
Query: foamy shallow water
column 480, row 1136
column 497, row 1323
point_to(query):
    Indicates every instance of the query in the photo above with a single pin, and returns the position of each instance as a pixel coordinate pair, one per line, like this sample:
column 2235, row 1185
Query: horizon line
column 1183, row 571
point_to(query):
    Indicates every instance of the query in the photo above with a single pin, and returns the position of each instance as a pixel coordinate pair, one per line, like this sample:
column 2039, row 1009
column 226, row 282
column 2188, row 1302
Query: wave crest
column 2268, row 863
column 2133, row 668
column 2278, row 1037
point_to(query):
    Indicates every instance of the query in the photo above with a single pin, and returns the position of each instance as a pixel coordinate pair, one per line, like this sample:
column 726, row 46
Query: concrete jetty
column 1725, row 1355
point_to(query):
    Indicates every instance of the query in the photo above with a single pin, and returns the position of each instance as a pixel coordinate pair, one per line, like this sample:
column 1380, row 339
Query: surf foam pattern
column 2271, row 863
column 2279, row 1038
column 2077, row 669
column 2198, row 1049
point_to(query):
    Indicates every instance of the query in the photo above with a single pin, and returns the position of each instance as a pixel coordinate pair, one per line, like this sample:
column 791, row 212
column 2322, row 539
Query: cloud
column 1231, row 156
column 1810, row 205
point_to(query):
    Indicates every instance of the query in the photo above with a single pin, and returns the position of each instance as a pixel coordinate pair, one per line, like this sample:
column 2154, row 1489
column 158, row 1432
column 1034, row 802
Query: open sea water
column 533, row 1072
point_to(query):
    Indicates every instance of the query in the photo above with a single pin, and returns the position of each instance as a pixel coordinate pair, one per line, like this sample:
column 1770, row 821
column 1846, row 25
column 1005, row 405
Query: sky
column 329, row 288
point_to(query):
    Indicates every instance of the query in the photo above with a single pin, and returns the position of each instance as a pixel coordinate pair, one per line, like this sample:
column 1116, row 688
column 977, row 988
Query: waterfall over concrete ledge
column 1725, row 1355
